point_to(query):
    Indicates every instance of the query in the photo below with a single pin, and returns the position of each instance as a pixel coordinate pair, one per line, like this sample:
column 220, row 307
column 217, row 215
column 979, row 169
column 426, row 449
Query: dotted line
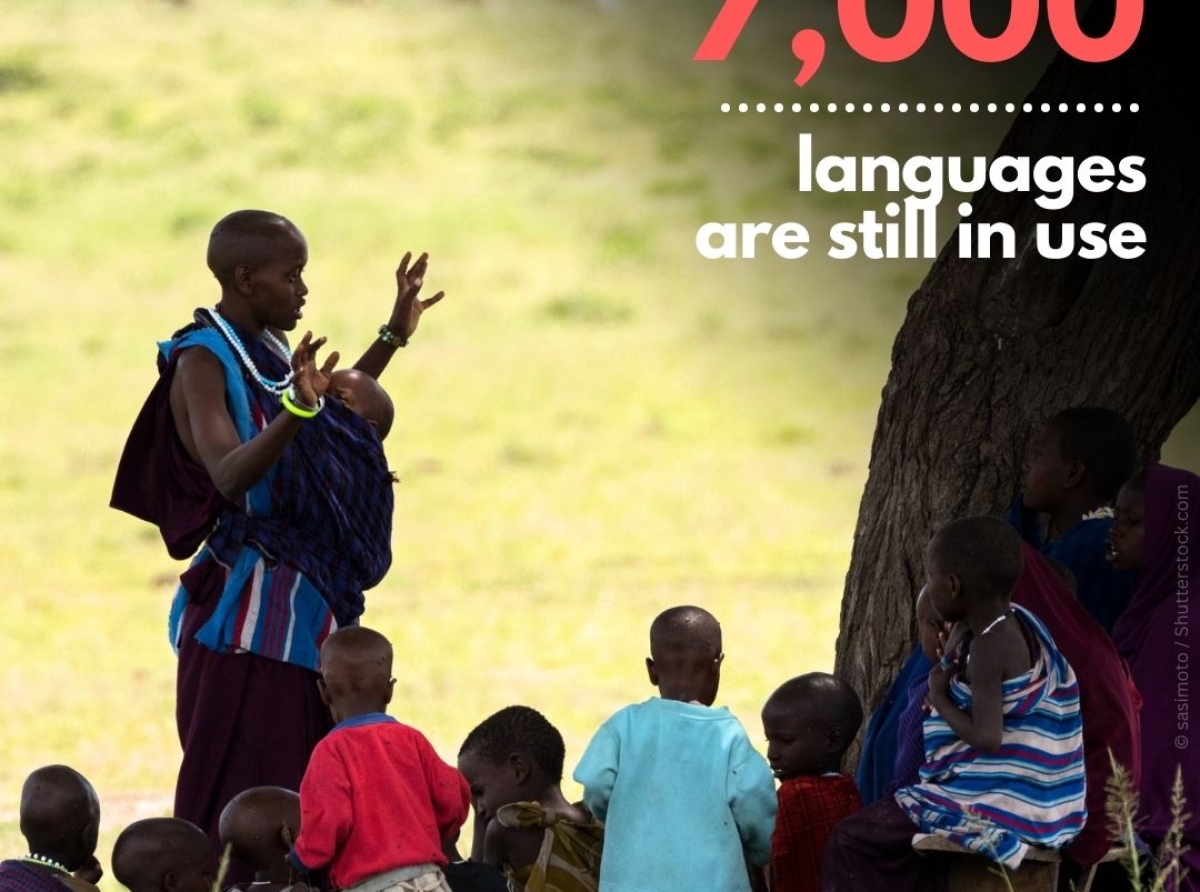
column 923, row 108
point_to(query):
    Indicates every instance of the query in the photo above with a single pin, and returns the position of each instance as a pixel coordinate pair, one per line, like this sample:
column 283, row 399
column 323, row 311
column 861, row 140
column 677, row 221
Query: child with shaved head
column 259, row 826
column 377, row 803
column 809, row 722
column 365, row 397
column 60, row 820
column 162, row 855
column 686, row 800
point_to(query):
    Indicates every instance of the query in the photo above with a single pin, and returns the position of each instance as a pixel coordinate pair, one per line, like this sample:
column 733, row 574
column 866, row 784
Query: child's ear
column 834, row 741
column 1076, row 474
column 323, row 690
column 286, row 836
column 651, row 671
column 955, row 585
column 519, row 766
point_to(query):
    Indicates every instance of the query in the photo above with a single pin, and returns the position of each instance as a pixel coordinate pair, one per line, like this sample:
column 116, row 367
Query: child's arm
column 752, row 801
column 450, row 848
column 478, row 833
column 449, row 792
column 206, row 428
column 326, row 811
column 597, row 771
column 495, row 844
column 983, row 726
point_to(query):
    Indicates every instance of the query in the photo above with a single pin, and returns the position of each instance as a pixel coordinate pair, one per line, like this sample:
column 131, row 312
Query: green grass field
column 594, row 425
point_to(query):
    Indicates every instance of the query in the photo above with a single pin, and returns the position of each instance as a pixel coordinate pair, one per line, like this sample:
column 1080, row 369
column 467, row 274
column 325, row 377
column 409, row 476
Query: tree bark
column 990, row 348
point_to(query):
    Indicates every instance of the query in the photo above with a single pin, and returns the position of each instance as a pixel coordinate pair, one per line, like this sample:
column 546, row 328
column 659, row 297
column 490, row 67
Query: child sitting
column 513, row 762
column 365, row 397
column 60, row 820
column 686, row 800
column 910, row 744
column 1004, row 762
column 809, row 722
column 162, row 855
column 1078, row 461
column 259, row 826
column 376, row 801
column 1005, row 703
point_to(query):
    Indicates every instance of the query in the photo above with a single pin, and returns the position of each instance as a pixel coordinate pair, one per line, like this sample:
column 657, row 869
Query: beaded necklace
column 277, row 346
column 44, row 862
column 1001, row 618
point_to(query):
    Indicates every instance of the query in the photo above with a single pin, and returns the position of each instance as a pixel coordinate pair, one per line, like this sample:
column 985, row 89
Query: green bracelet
column 390, row 338
column 288, row 398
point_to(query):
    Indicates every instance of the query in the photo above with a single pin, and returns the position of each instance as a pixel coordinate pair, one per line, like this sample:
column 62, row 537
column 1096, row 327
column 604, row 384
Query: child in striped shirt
column 1004, row 743
column 1004, row 765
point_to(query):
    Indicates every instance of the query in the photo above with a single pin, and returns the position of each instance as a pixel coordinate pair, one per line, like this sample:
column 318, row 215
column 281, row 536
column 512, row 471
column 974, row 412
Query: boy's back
column 376, row 800
column 685, row 797
column 376, row 797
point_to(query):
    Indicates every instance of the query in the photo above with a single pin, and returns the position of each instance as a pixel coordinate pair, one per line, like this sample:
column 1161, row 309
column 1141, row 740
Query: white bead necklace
column 44, row 861
column 276, row 345
column 1001, row 618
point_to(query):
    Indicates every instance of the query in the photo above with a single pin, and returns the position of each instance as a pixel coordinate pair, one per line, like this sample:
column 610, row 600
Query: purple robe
column 306, row 540
column 1106, row 699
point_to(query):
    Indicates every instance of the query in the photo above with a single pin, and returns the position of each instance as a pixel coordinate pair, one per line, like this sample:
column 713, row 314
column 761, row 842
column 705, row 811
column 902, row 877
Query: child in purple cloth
column 1155, row 534
column 162, row 855
column 1077, row 461
column 60, row 820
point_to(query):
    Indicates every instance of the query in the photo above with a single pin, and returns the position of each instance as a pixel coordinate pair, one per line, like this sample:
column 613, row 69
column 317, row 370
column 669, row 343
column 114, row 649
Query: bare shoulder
column 513, row 846
column 197, row 397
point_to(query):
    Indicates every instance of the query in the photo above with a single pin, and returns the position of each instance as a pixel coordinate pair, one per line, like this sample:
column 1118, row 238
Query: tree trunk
column 990, row 348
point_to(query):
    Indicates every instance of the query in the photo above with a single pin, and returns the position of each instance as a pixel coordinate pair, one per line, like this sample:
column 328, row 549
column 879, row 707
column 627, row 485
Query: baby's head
column 259, row 825
column 356, row 672
column 685, row 655
column 1086, row 449
column 162, row 855
column 60, row 816
column 969, row 561
column 513, row 755
column 365, row 397
column 809, row 722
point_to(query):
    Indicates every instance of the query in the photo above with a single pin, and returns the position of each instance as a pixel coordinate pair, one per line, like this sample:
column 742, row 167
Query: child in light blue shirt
column 686, row 800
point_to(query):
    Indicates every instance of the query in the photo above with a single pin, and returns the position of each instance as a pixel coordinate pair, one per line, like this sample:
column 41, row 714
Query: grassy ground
column 594, row 425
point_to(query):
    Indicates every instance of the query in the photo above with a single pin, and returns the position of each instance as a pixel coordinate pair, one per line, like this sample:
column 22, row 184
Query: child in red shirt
column 377, row 804
column 809, row 722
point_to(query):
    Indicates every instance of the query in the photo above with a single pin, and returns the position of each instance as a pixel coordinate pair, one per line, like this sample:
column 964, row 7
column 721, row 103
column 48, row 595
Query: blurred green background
column 594, row 425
